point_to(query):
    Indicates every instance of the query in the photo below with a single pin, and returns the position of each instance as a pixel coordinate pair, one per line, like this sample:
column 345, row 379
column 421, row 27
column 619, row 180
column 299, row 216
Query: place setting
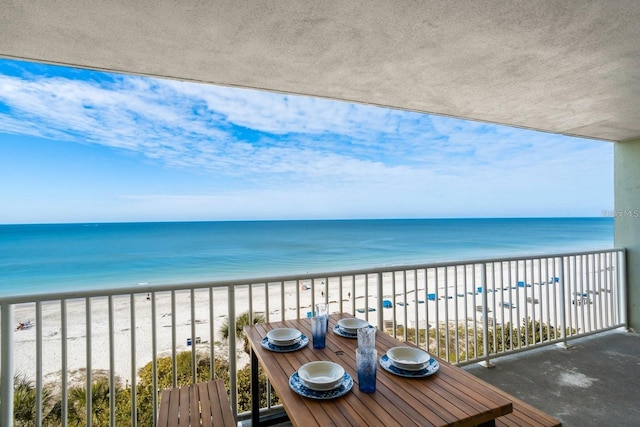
column 321, row 380
column 348, row 328
column 283, row 340
column 328, row 380
column 409, row 362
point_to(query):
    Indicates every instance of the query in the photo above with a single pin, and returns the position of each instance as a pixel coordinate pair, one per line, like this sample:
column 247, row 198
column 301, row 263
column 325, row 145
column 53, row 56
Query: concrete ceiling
column 569, row 67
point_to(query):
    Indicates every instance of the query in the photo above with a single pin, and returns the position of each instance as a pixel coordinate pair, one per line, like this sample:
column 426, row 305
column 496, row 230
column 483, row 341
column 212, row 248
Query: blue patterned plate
column 431, row 368
column 344, row 333
column 297, row 386
column 286, row 348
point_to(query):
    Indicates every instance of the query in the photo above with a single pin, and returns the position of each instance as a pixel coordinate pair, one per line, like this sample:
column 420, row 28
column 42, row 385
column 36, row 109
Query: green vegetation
column 241, row 321
column 24, row 401
column 466, row 340
column 25, row 390
column 24, row 413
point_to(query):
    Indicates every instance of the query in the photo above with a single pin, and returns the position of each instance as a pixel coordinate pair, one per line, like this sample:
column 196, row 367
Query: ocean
column 66, row 257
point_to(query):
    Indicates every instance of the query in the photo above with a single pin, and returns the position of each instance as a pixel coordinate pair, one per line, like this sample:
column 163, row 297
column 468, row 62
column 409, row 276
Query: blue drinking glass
column 366, row 365
column 319, row 331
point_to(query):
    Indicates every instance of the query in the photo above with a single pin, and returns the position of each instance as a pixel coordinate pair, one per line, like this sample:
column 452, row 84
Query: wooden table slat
column 174, row 406
column 207, row 402
column 163, row 414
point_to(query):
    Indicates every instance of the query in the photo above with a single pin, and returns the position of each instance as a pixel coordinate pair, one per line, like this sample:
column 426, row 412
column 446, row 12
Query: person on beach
column 23, row 325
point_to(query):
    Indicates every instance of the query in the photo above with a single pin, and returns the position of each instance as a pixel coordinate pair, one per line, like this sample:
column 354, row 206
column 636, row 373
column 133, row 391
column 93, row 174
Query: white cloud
column 269, row 148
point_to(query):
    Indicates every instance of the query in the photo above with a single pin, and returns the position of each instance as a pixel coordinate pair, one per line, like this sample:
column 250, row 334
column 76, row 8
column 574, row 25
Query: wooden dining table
column 449, row 397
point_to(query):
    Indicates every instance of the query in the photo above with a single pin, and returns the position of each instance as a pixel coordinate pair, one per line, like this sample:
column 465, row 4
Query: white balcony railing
column 464, row 312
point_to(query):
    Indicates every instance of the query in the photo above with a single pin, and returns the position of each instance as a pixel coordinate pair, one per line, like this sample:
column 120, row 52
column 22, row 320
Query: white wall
column 627, row 220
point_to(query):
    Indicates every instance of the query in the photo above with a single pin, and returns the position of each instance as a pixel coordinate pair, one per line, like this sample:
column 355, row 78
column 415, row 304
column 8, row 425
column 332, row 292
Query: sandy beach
column 456, row 291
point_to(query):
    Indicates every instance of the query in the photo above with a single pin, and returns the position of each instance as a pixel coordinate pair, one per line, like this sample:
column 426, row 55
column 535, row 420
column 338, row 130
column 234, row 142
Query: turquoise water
column 61, row 257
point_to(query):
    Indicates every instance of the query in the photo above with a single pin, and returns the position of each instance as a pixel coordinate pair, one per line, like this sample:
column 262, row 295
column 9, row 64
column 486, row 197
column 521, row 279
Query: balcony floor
column 592, row 383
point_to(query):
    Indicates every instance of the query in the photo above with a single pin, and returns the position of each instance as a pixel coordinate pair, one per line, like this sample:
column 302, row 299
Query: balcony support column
column 6, row 367
column 626, row 215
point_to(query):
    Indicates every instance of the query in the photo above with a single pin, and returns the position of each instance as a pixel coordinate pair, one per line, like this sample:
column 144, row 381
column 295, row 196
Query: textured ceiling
column 570, row 67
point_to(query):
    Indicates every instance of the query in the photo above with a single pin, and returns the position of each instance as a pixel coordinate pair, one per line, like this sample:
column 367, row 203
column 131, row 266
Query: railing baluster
column 366, row 297
column 456, row 314
column 546, row 300
column 597, row 302
column 436, row 277
column 552, row 282
column 282, row 305
column 63, row 341
column 340, row 293
column 426, row 308
column 88, row 361
column 563, row 317
column 622, row 288
column 447, row 350
column 39, row 374
column 112, row 363
column 485, row 314
column 405, row 320
column 510, row 280
column 251, row 309
column 394, row 302
column 6, row 370
column 573, row 284
column 468, row 315
column 380, row 291
column 493, row 323
column 416, row 300
column 192, row 306
column 298, row 286
column 267, row 306
column 527, row 319
column 154, row 354
column 535, row 311
column 132, row 321
column 585, row 285
column 591, row 292
column 610, row 286
column 353, row 294
column 604, row 286
column 233, row 370
column 212, row 348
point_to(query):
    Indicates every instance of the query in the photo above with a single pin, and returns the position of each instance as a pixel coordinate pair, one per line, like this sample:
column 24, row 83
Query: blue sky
column 86, row 146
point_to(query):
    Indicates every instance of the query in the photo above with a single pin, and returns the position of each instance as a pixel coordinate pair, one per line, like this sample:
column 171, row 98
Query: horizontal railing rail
column 134, row 341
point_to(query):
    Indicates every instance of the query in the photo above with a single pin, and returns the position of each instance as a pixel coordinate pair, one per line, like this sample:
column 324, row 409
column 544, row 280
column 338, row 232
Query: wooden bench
column 525, row 415
column 202, row 404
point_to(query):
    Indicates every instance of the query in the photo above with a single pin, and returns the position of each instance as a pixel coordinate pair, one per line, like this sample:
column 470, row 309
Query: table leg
column 255, row 391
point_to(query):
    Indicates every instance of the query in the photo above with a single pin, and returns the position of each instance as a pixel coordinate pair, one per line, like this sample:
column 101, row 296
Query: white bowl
column 284, row 336
column 321, row 375
column 408, row 358
column 352, row 324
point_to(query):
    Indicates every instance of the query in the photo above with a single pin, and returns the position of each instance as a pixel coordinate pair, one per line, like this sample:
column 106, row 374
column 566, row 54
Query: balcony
column 139, row 340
